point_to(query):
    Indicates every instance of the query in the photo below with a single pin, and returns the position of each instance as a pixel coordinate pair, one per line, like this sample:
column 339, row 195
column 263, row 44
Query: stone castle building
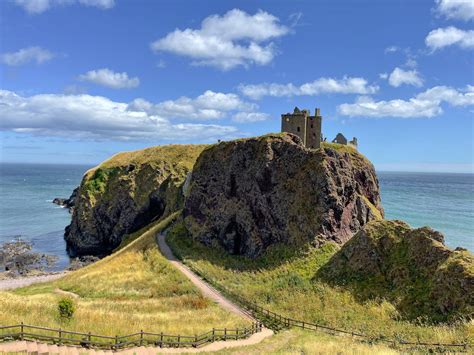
column 308, row 128
column 305, row 126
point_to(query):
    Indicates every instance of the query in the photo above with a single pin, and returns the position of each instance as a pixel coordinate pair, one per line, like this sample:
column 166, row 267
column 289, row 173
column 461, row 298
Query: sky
column 81, row 80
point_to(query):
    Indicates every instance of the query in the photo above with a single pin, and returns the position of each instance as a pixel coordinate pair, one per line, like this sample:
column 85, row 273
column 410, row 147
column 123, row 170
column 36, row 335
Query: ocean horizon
column 442, row 201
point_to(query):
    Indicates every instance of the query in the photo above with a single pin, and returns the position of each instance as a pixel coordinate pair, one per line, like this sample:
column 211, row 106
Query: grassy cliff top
column 175, row 154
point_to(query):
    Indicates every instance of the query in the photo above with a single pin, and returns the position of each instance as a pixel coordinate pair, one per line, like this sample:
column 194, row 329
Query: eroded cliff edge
column 125, row 193
column 248, row 194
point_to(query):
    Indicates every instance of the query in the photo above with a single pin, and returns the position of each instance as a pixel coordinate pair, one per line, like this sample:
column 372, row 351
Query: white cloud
column 26, row 55
column 227, row 41
column 448, row 36
column 248, row 117
column 425, row 104
column 456, row 9
column 95, row 117
column 383, row 76
column 411, row 63
column 409, row 77
column 392, row 49
column 109, row 78
column 40, row 6
column 346, row 85
column 209, row 105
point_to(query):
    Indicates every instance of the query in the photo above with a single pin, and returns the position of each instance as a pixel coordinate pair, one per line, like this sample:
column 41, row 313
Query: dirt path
column 205, row 288
column 10, row 284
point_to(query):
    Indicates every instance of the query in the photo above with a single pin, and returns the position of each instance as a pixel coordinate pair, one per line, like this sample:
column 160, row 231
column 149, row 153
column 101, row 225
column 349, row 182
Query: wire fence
column 89, row 340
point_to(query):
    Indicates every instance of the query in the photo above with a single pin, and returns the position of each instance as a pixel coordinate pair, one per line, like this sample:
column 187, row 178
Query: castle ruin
column 307, row 127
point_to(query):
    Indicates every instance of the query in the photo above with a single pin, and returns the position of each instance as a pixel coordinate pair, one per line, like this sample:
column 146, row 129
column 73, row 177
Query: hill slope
column 410, row 267
column 134, row 288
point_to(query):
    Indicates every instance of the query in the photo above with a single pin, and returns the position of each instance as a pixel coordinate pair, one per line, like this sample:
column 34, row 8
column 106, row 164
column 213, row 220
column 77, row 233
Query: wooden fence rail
column 88, row 340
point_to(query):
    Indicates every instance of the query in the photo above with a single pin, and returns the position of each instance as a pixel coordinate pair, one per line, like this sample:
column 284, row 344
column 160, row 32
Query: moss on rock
column 410, row 267
column 125, row 193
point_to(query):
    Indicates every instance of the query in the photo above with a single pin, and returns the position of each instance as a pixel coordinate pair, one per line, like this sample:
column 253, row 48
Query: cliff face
column 125, row 193
column 410, row 267
column 249, row 194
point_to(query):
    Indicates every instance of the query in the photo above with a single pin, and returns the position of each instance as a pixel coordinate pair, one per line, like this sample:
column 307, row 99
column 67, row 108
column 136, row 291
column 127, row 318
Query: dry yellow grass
column 133, row 289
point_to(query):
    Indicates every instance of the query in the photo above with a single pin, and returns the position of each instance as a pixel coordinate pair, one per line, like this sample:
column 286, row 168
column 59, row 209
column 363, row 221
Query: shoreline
column 11, row 283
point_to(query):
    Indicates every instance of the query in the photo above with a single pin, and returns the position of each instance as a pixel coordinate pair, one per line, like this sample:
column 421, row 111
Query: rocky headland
column 249, row 194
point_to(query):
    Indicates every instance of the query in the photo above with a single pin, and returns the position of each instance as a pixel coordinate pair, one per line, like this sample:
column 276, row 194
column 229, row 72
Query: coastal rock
column 125, row 193
column 67, row 202
column 249, row 194
column 410, row 267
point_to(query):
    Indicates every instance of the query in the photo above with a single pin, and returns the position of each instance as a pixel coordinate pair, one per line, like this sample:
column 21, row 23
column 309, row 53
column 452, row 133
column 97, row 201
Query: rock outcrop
column 125, row 193
column 67, row 202
column 410, row 267
column 252, row 193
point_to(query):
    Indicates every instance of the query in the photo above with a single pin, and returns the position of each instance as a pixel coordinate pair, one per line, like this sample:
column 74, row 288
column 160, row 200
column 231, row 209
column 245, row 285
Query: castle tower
column 307, row 127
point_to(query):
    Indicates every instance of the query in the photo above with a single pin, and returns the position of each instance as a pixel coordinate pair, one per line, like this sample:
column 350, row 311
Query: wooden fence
column 277, row 321
column 89, row 340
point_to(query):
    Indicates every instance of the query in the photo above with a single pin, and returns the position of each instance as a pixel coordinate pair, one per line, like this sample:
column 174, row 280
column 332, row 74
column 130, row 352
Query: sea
column 444, row 202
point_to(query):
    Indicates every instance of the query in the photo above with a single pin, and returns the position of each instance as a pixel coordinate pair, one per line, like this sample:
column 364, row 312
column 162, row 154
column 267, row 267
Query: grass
column 133, row 289
column 289, row 285
column 300, row 342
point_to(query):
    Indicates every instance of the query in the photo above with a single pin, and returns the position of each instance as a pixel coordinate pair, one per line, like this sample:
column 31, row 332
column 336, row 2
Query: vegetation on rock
column 126, row 193
column 249, row 194
column 410, row 267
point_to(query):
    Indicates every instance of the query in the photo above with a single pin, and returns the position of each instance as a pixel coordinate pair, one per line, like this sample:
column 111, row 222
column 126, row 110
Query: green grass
column 135, row 288
column 288, row 284
column 300, row 342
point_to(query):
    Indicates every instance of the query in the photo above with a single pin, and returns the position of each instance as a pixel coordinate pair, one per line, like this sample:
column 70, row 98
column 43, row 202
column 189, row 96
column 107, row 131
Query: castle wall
column 296, row 124
column 313, row 132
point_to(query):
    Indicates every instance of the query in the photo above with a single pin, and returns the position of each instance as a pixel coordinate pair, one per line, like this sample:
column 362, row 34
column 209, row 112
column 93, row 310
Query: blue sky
column 84, row 79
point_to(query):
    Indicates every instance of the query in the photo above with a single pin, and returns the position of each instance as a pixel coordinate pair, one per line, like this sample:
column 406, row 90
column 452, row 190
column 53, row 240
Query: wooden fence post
column 303, row 325
column 60, row 336
column 195, row 341
column 213, row 334
column 21, row 331
column 179, row 338
column 141, row 337
column 116, row 341
column 225, row 334
column 89, row 338
column 161, row 340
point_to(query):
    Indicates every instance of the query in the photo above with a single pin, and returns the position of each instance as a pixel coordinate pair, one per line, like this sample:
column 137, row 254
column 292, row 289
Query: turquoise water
column 442, row 201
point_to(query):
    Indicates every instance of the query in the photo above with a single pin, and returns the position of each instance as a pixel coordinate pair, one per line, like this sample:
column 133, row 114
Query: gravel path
column 205, row 288
column 10, row 284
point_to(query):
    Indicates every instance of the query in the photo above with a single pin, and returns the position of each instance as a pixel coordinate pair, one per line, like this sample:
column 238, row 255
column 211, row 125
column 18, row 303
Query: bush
column 66, row 308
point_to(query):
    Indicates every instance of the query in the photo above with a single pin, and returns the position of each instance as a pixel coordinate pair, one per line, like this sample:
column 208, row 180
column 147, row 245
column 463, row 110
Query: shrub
column 66, row 308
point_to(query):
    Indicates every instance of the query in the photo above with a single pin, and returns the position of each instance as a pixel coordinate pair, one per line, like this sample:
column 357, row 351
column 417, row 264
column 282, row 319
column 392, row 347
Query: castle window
column 311, row 125
column 298, row 129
